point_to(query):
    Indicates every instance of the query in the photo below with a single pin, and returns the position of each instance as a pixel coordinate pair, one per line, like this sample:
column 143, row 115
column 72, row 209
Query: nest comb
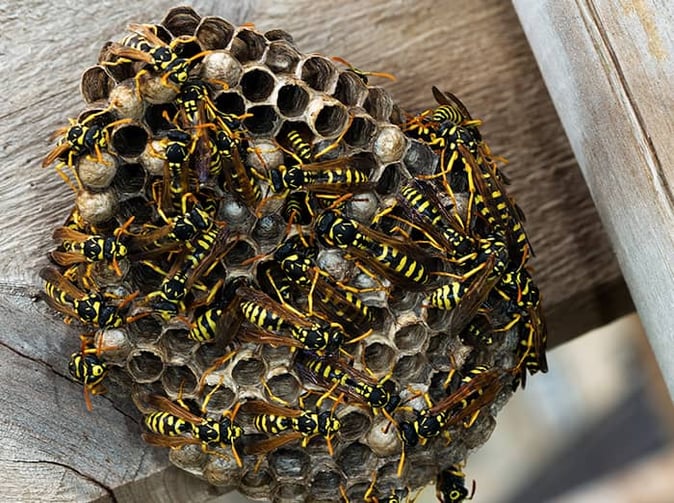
column 408, row 256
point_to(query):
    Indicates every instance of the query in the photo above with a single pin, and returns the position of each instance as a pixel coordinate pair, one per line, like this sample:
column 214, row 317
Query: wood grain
column 56, row 451
column 610, row 74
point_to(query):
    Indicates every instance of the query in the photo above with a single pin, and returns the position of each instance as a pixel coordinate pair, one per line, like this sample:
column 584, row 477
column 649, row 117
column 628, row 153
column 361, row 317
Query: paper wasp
column 297, row 262
column 89, row 370
column 331, row 372
column 262, row 311
column 362, row 75
column 92, row 309
column 400, row 262
column 80, row 247
column 200, row 254
column 210, row 323
column 452, row 110
column 146, row 46
column 450, row 486
column 86, row 136
column 335, row 176
column 287, row 425
column 463, row 405
column 170, row 423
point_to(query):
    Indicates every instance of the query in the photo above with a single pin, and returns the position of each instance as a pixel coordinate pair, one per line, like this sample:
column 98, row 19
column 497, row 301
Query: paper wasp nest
column 278, row 239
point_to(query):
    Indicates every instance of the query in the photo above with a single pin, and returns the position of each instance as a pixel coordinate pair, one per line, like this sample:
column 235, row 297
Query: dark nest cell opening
column 230, row 103
column 178, row 379
column 214, row 33
column 129, row 140
column 263, row 121
column 281, row 58
column 318, row 73
column 145, row 367
column 130, row 178
column 292, row 100
column 350, row 89
column 330, row 120
column 181, row 21
column 248, row 46
column 257, row 85
column 360, row 132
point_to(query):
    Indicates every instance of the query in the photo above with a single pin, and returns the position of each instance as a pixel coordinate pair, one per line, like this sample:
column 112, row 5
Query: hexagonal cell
column 292, row 100
column 263, row 122
column 156, row 116
column 330, row 120
column 361, row 132
column 354, row 423
column 279, row 35
column 412, row 368
column 420, row 159
column 129, row 140
column 289, row 462
column 221, row 67
column 145, row 365
column 269, row 228
column 389, row 180
column 189, row 457
column 290, row 492
column 96, row 175
column 281, row 57
column 325, row 482
column 95, row 84
column 350, row 89
column 354, row 458
column 319, row 73
column 257, row 84
column 136, row 206
column 283, row 385
column 181, row 20
column 222, row 470
column 214, row 33
column 248, row 370
column 379, row 356
column 179, row 380
column 221, row 398
column 130, row 178
column 96, row 208
column 256, row 484
column 378, row 103
column 240, row 252
column 411, row 337
column 390, row 144
column 248, row 46
column 120, row 70
column 125, row 102
column 175, row 342
column 230, row 103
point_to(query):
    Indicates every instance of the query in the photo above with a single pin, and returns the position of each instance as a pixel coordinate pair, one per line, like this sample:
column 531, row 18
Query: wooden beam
column 476, row 49
column 609, row 67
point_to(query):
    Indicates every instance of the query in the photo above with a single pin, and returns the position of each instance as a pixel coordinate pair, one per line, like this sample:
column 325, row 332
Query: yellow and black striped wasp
column 177, row 230
column 287, row 424
column 219, row 315
column 145, row 45
column 171, row 422
column 450, row 486
column 361, row 74
column 78, row 247
column 476, row 391
column 262, row 311
column 199, row 256
column 296, row 259
column 331, row 372
column 497, row 208
column 403, row 264
column 88, row 369
column 89, row 308
column 88, row 135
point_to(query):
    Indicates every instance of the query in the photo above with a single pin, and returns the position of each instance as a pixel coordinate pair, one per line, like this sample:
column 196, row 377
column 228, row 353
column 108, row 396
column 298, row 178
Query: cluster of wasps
column 452, row 236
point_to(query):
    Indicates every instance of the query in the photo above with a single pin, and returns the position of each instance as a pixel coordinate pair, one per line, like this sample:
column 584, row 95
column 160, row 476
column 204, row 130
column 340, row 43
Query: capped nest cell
column 312, row 292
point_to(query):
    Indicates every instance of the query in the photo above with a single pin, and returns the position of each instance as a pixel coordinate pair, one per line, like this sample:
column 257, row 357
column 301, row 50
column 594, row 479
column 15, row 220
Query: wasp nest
column 313, row 293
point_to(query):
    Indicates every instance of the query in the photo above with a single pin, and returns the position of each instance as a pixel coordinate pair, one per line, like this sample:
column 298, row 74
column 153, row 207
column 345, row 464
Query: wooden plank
column 609, row 71
column 475, row 49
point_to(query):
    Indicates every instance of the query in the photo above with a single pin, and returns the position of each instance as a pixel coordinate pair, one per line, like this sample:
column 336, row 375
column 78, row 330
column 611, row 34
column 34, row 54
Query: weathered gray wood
column 610, row 71
column 475, row 49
